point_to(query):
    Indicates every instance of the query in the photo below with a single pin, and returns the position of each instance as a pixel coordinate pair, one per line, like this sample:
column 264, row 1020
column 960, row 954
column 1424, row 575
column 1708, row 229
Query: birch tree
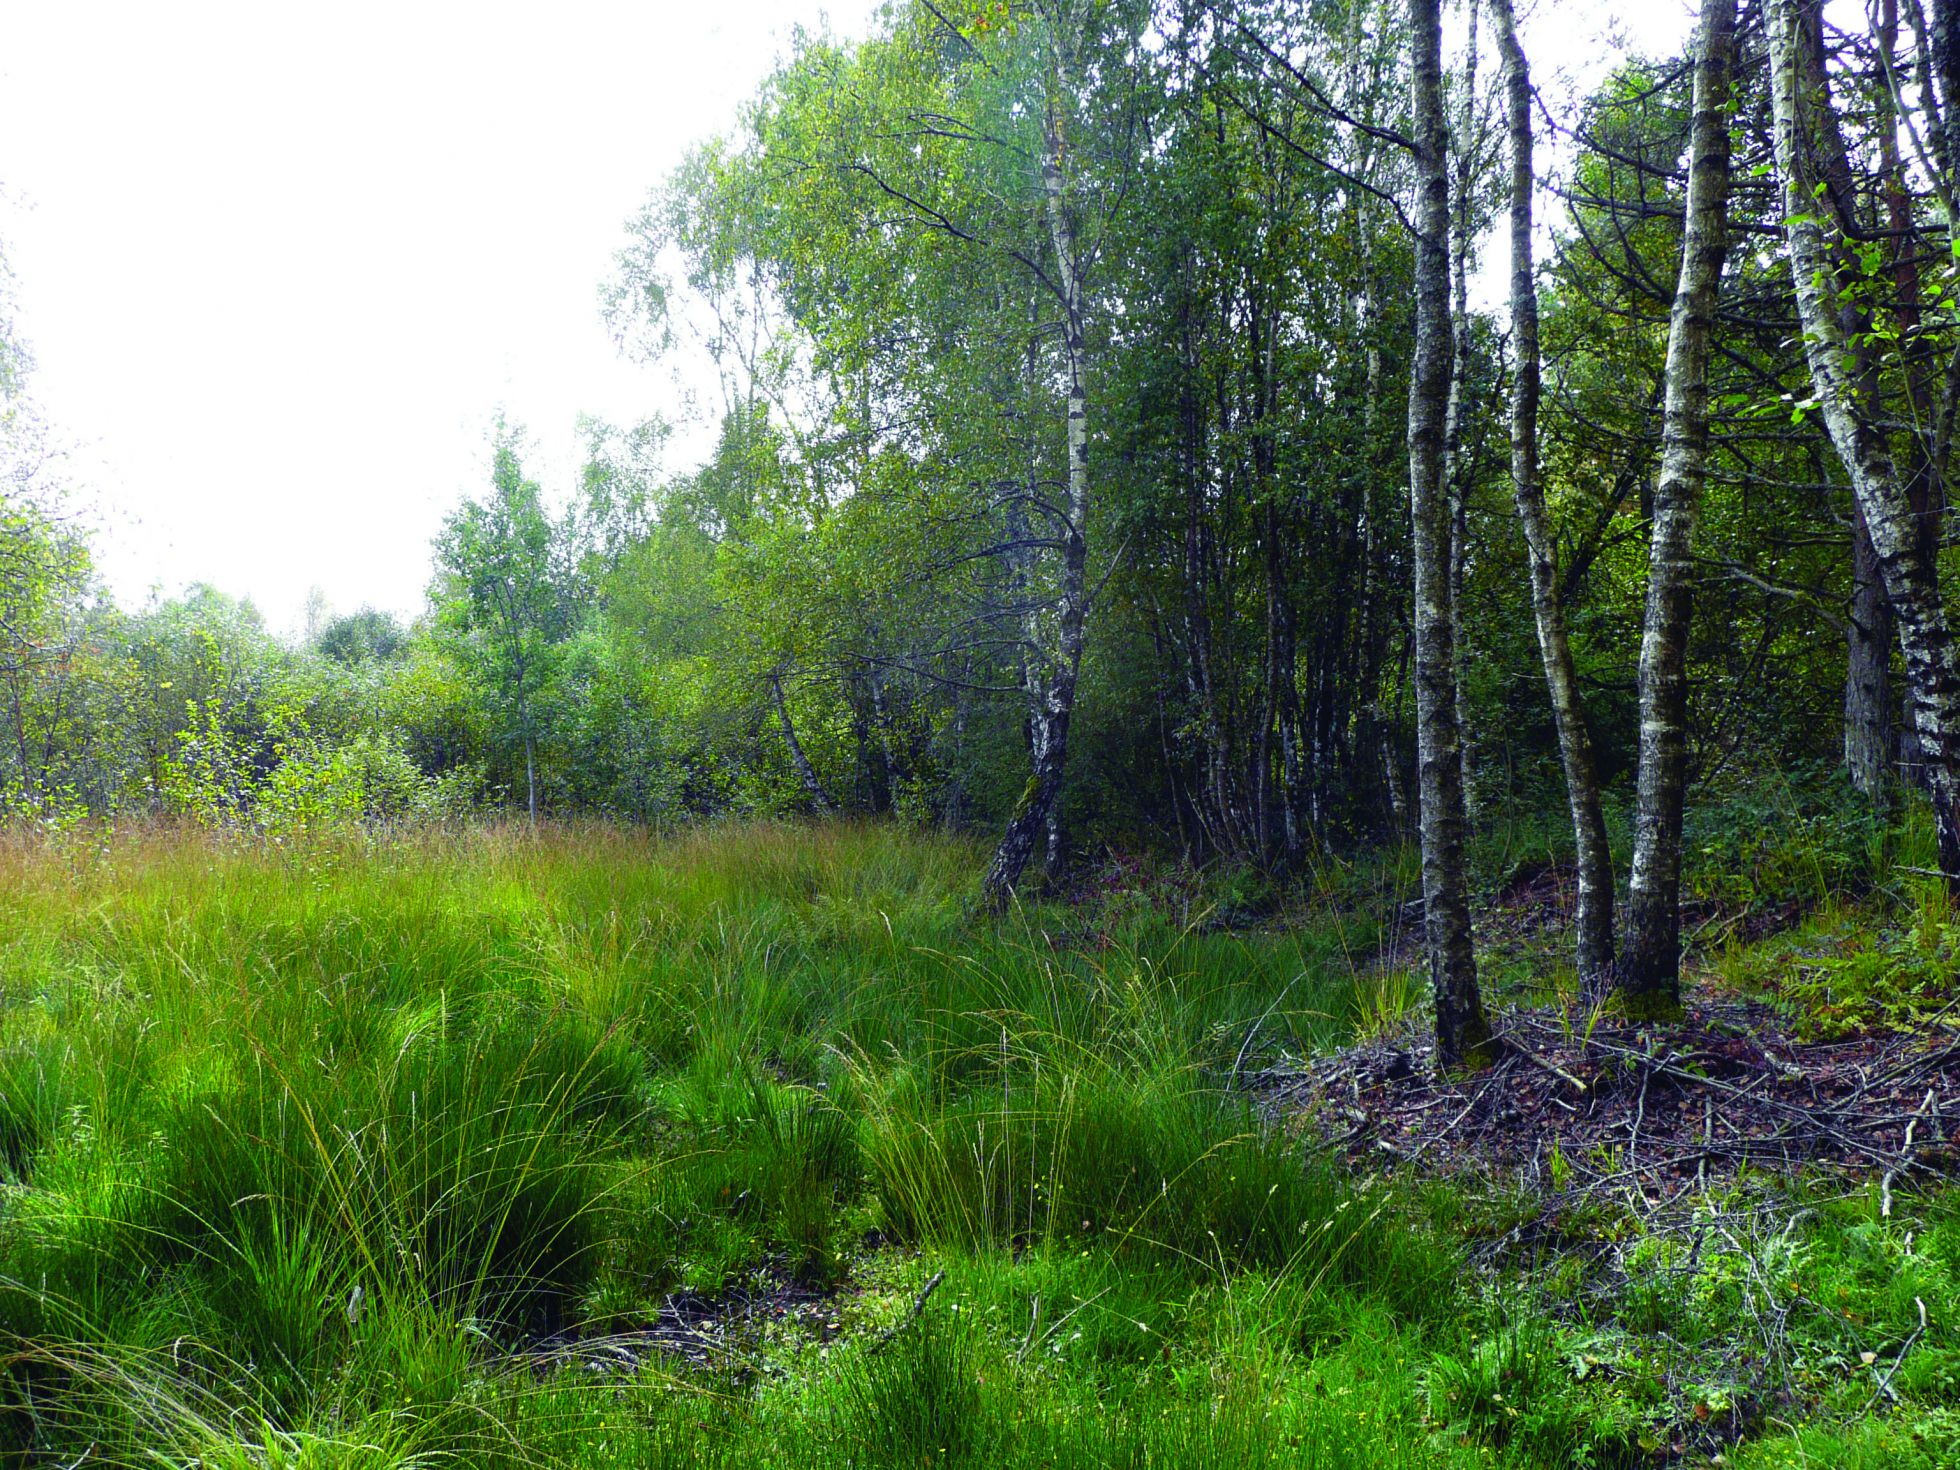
column 1594, row 917
column 1648, row 979
column 1466, row 222
column 495, row 586
column 1836, row 320
column 1056, row 664
column 1463, row 1035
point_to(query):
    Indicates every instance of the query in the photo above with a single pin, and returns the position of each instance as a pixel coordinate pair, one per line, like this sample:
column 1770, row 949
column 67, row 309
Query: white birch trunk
column 1594, row 917
column 1832, row 327
column 1055, row 695
column 1648, row 978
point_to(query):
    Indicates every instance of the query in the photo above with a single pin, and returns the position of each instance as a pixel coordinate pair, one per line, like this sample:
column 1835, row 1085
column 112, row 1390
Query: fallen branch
column 1885, row 1383
column 918, row 1305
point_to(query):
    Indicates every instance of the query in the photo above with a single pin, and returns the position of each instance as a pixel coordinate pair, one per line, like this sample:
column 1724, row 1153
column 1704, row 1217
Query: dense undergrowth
column 335, row 1156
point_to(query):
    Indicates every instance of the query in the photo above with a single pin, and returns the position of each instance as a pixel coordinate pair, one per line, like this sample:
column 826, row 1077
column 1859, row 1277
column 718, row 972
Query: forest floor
column 1579, row 1105
column 1597, row 1146
column 754, row 1146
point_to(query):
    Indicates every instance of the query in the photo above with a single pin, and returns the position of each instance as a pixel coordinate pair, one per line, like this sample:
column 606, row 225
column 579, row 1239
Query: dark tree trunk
column 1867, row 682
column 1378, row 734
column 1456, row 463
column 1946, row 70
column 531, row 777
column 1463, row 1036
column 530, row 749
column 874, row 736
column 1214, row 804
column 1030, row 820
column 1649, row 974
column 1280, row 717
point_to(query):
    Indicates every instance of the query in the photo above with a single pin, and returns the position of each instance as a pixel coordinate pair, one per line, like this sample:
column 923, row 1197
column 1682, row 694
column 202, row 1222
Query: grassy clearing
column 309, row 1155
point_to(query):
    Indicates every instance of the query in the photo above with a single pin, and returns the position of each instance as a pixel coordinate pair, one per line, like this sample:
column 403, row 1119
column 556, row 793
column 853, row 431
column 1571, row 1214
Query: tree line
column 1108, row 448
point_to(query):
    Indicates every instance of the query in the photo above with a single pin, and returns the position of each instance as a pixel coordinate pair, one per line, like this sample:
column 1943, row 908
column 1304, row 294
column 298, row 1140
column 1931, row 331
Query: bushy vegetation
column 347, row 1152
column 839, row 604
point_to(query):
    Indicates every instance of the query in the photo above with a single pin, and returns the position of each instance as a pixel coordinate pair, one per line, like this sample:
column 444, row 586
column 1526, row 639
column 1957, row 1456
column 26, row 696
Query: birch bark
column 1054, row 696
column 1867, row 687
column 805, row 772
column 1833, row 326
column 1648, row 977
column 1466, row 146
column 1463, row 1036
column 1594, row 916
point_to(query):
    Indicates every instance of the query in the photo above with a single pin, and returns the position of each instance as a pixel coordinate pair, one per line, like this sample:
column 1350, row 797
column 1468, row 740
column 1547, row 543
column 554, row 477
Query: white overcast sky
column 280, row 265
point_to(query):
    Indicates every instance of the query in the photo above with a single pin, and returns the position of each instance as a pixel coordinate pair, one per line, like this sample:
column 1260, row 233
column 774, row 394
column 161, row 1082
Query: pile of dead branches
column 1578, row 1107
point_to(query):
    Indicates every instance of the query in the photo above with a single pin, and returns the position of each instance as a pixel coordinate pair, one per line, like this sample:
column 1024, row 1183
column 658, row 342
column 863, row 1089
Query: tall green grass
column 365, row 1154
column 308, row 1151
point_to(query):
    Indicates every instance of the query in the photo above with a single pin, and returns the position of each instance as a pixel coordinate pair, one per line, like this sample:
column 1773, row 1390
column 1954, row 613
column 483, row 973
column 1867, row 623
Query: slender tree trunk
column 1030, row 817
column 1463, row 1036
column 1056, row 701
column 1649, row 976
column 1214, row 807
column 1392, row 777
column 1456, row 465
column 1868, row 636
column 1054, row 851
column 1946, row 68
column 891, row 742
column 531, row 774
column 819, row 798
column 1267, row 705
column 1283, row 695
column 18, row 706
column 1867, row 681
column 1294, row 813
column 954, row 809
column 1594, row 919
column 1907, row 242
column 1378, row 729
column 870, row 728
column 1832, row 331
column 1280, row 717
column 530, row 747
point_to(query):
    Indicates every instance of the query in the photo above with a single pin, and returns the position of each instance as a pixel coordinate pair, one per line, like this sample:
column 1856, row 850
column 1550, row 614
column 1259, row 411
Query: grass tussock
column 305, row 1150
column 333, row 1155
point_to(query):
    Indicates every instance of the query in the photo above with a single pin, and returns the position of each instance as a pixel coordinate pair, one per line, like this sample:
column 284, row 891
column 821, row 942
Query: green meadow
column 392, row 1153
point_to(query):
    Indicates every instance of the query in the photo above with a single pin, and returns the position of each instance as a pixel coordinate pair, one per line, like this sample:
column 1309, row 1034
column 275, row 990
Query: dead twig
column 1885, row 1383
column 884, row 1339
column 1652, row 1109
